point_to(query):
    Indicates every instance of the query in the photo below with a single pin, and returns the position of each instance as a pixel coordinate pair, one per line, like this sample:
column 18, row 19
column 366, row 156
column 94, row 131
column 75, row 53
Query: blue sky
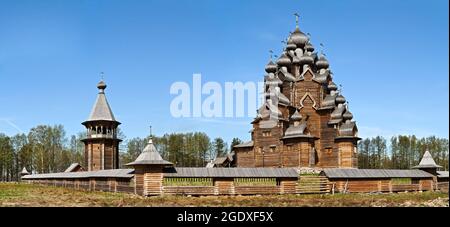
column 390, row 56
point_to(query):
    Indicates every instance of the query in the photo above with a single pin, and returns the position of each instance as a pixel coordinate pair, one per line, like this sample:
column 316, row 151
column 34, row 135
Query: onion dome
column 329, row 101
column 322, row 62
column 271, row 67
column 296, row 116
column 306, row 59
column 273, row 81
column 309, row 47
column 101, row 86
column 291, row 45
column 336, row 115
column 262, row 111
column 284, row 60
column 299, row 38
column 298, row 52
column 340, row 99
column 275, row 94
column 332, row 86
column 347, row 115
column 294, row 57
column 285, row 75
column 283, row 99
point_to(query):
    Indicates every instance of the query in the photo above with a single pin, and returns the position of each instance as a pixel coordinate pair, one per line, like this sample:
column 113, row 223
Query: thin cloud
column 10, row 123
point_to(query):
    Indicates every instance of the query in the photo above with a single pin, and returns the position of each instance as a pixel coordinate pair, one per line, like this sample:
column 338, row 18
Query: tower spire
column 322, row 47
column 284, row 46
column 151, row 135
column 271, row 54
column 296, row 19
column 101, row 85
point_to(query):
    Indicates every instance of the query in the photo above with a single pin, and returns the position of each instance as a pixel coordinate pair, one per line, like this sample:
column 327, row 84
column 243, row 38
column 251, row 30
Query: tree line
column 47, row 149
column 403, row 152
column 183, row 149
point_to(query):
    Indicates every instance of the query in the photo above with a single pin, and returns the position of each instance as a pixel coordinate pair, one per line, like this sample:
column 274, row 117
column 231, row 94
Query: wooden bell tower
column 101, row 151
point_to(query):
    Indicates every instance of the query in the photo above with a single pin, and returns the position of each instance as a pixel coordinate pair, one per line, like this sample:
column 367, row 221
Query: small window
column 329, row 150
column 272, row 149
column 267, row 133
column 289, row 147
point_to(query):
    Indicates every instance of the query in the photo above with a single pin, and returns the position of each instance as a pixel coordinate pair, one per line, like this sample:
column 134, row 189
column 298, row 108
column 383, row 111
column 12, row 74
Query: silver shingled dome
column 299, row 38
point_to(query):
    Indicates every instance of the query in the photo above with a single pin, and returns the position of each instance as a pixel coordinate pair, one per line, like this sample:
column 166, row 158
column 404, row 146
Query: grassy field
column 44, row 196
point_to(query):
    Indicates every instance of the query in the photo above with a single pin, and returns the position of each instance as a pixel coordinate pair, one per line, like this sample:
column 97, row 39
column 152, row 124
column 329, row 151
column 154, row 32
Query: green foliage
column 182, row 149
column 405, row 152
column 401, row 181
column 235, row 142
column 45, row 149
column 219, row 147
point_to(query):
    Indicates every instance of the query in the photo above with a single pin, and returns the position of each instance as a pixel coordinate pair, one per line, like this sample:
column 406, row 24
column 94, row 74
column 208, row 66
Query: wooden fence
column 249, row 186
column 89, row 185
column 314, row 185
column 442, row 186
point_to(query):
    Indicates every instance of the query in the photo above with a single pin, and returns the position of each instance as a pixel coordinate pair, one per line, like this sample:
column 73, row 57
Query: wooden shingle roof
column 113, row 173
column 427, row 162
column 442, row 174
column 149, row 156
column 101, row 111
column 72, row 167
column 231, row 172
column 375, row 173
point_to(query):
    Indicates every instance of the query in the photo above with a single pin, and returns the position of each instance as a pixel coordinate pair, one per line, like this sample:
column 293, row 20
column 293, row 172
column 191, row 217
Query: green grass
column 35, row 195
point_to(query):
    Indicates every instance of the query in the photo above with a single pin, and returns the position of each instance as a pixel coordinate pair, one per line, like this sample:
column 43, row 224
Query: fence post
column 216, row 187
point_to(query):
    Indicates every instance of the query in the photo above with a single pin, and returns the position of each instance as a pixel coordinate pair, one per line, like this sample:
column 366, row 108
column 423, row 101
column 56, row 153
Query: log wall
column 150, row 184
column 379, row 185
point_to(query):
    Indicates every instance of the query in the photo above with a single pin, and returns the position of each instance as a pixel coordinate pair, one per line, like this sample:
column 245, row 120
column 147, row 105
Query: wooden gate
column 314, row 185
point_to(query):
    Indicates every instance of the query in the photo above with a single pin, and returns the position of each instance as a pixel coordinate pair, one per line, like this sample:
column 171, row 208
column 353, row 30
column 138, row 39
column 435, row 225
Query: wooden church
column 305, row 120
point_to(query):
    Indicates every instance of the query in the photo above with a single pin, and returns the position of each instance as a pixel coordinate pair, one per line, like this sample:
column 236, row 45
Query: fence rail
column 442, row 186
